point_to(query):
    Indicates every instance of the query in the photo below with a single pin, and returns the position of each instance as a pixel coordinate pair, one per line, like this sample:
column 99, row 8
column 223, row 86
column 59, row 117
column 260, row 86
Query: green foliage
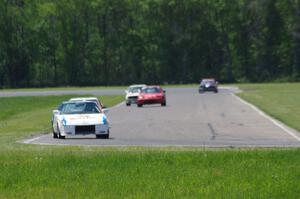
column 104, row 42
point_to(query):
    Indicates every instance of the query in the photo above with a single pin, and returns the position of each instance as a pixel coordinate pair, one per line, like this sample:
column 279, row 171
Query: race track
column 190, row 119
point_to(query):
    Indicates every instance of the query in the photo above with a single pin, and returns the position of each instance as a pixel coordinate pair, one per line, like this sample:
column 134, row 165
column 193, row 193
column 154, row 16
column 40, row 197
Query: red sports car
column 152, row 95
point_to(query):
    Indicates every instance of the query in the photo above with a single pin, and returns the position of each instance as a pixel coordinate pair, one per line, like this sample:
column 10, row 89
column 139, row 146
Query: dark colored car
column 152, row 95
column 208, row 85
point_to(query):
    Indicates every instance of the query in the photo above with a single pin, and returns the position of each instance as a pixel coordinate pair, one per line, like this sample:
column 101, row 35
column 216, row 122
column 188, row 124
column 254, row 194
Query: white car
column 132, row 93
column 79, row 118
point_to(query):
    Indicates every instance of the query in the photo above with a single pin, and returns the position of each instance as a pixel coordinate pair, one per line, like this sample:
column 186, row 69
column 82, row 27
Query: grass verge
column 71, row 88
column 90, row 88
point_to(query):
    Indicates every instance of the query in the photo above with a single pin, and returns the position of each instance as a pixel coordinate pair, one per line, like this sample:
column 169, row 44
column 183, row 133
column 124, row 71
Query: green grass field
column 94, row 173
column 32, row 171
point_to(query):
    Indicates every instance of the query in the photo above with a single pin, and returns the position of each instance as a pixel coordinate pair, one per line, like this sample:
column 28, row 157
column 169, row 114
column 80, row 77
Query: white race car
column 79, row 118
column 132, row 93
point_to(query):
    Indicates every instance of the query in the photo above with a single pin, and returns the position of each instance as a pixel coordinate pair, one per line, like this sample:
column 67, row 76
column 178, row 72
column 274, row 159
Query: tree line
column 118, row 42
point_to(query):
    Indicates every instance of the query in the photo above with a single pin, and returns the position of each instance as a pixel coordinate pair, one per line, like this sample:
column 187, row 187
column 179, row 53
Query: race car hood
column 83, row 119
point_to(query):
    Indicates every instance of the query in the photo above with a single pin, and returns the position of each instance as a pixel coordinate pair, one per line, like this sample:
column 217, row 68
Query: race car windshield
column 151, row 90
column 134, row 89
column 80, row 108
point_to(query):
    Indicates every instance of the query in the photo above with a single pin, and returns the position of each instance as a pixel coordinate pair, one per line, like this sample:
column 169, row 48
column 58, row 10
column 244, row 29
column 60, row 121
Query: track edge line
column 265, row 115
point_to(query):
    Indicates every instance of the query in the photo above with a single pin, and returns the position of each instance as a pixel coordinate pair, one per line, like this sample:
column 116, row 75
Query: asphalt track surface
column 190, row 119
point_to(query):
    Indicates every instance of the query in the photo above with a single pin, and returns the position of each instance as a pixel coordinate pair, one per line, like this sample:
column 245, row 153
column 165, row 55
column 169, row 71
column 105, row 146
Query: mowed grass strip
column 70, row 88
column 91, row 88
column 281, row 101
column 17, row 105
column 83, row 173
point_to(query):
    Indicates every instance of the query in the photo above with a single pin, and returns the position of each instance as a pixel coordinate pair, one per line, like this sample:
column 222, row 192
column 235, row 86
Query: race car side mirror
column 164, row 91
column 105, row 110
